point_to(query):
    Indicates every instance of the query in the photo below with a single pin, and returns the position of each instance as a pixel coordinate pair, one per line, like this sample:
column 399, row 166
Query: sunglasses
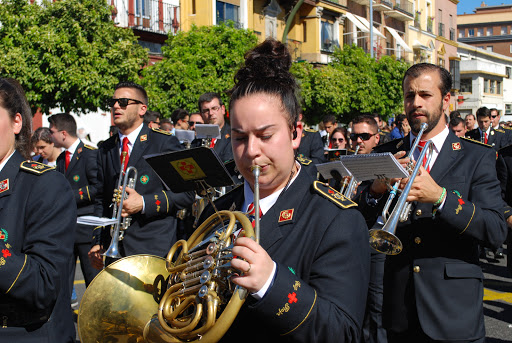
column 337, row 139
column 494, row 116
column 192, row 123
column 123, row 102
column 364, row 136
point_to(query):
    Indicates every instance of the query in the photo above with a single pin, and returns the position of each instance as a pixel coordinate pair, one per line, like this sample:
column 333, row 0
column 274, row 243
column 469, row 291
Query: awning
column 357, row 22
column 417, row 45
column 367, row 24
column 398, row 39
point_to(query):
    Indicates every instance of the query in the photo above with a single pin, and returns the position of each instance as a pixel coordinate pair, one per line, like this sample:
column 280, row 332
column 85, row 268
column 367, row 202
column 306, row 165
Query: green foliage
column 353, row 83
column 201, row 60
column 68, row 53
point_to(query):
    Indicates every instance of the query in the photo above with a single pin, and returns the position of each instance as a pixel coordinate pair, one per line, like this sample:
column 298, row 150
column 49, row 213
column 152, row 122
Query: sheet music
column 95, row 221
column 208, row 131
column 371, row 166
column 325, row 169
column 185, row 135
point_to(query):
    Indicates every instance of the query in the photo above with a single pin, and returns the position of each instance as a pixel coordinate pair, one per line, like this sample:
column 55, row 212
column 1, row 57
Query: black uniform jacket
column 82, row 176
column 311, row 146
column 36, row 238
column 323, row 259
column 497, row 138
column 153, row 232
column 223, row 146
column 437, row 275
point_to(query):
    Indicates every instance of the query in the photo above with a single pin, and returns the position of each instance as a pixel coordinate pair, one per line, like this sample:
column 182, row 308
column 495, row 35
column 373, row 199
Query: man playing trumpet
column 433, row 289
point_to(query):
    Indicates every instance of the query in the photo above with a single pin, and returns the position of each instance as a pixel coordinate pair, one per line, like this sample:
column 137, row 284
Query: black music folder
column 186, row 170
column 335, row 154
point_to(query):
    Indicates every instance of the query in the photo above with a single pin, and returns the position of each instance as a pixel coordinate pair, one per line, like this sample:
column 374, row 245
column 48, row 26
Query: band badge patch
column 79, row 151
column 144, row 179
column 4, row 185
column 37, row 166
column 286, row 215
column 157, row 203
column 188, row 169
column 292, row 299
column 143, row 138
column 460, row 200
column 226, row 136
column 492, row 133
column 456, row 146
column 3, row 235
column 76, row 178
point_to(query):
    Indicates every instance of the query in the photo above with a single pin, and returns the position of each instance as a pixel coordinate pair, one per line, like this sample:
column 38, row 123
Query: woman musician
column 308, row 277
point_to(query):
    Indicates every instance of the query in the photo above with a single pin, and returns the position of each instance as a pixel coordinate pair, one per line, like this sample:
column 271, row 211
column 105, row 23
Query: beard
column 432, row 119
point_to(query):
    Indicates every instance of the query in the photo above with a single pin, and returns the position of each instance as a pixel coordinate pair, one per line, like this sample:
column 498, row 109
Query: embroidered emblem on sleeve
column 3, row 235
column 456, row 146
column 143, row 138
column 76, row 178
column 4, row 185
column 157, row 203
column 144, row 179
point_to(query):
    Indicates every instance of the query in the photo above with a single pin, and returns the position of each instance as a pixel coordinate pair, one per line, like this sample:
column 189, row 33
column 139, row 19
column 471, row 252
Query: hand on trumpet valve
column 424, row 189
column 254, row 262
column 132, row 204
column 95, row 256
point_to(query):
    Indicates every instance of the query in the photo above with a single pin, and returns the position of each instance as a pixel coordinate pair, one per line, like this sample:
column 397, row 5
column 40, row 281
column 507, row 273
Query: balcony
column 430, row 24
column 402, row 10
column 382, row 5
column 148, row 15
column 440, row 30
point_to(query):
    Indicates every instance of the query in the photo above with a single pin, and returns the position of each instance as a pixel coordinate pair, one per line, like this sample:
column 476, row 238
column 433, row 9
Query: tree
column 68, row 53
column 201, row 60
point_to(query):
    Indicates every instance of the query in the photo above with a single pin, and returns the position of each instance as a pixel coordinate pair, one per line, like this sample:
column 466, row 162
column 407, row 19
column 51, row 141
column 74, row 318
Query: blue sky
column 469, row 6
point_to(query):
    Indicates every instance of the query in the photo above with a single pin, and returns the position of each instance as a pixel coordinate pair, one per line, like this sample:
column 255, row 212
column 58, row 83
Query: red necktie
column 212, row 143
column 68, row 158
column 485, row 137
column 421, row 145
column 125, row 149
column 251, row 211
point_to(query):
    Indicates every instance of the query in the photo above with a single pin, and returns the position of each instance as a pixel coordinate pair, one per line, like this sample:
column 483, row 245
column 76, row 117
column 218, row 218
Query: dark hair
column 42, row 134
column 137, row 87
column 63, row 122
column 13, row 100
column 341, row 130
column 179, row 114
column 368, row 119
column 494, row 109
column 470, row 114
column 151, row 116
column 113, row 130
column 329, row 119
column 400, row 118
column 483, row 112
column 416, row 70
column 454, row 114
column 165, row 121
column 267, row 70
column 456, row 121
column 207, row 97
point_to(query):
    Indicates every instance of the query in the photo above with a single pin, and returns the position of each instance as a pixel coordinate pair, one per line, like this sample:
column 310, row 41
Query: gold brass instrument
column 348, row 188
column 117, row 230
column 383, row 239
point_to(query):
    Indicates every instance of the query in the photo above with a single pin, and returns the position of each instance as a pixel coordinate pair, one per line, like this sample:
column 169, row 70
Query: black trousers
column 373, row 331
column 81, row 251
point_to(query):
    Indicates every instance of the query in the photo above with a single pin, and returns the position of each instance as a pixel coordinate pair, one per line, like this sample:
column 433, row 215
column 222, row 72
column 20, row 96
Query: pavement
column 497, row 298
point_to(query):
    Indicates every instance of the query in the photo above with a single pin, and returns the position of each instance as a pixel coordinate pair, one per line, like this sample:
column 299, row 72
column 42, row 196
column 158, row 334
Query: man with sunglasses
column 495, row 120
column 195, row 118
column 213, row 111
column 364, row 133
column 151, row 206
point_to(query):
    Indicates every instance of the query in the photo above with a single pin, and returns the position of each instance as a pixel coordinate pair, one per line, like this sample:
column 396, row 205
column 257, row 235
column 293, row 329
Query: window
column 492, row 86
column 480, row 32
column 511, row 48
column 142, row 8
column 440, row 62
column 481, row 47
column 466, row 86
column 461, row 33
column 471, row 32
column 486, row 86
column 227, row 12
column 305, row 32
column 489, row 31
column 489, row 48
column 498, row 87
column 503, row 30
column 508, row 72
column 508, row 108
column 327, row 34
column 455, row 71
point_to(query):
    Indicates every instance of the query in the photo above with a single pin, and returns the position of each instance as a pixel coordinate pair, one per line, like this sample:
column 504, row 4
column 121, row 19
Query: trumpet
column 117, row 230
column 349, row 188
column 382, row 235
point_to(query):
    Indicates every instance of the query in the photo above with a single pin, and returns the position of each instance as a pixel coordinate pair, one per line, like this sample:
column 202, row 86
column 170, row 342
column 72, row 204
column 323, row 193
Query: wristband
column 440, row 200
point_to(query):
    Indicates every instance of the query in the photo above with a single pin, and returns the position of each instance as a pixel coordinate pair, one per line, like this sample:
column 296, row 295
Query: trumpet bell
column 385, row 242
column 122, row 299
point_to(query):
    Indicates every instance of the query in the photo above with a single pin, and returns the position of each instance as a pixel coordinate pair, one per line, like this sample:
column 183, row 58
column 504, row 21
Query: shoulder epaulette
column 310, row 130
column 475, row 141
column 333, row 195
column 90, row 147
column 161, row 131
column 35, row 167
column 304, row 161
column 499, row 130
column 506, row 128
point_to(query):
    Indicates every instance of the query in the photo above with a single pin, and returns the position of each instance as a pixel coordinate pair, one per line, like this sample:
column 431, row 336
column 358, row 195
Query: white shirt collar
column 73, row 147
column 132, row 136
column 2, row 165
column 437, row 141
column 267, row 202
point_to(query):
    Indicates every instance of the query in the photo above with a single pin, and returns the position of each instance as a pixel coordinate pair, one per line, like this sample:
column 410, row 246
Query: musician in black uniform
column 485, row 133
column 37, row 228
column 504, row 170
column 311, row 146
column 213, row 111
column 79, row 166
column 433, row 289
column 309, row 277
column 151, row 206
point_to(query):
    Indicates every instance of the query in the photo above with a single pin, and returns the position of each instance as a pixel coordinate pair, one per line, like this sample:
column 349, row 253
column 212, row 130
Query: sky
column 469, row 6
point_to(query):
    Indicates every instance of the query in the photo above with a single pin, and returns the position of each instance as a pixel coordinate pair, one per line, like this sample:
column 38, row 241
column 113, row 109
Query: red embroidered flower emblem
column 6, row 252
column 292, row 298
column 157, row 203
column 81, row 193
column 330, row 191
column 461, row 202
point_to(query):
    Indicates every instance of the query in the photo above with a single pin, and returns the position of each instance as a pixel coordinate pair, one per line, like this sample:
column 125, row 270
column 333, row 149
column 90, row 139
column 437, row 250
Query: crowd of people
column 314, row 256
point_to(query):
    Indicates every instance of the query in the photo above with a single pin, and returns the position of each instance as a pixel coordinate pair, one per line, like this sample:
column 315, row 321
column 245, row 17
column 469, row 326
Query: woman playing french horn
column 308, row 277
